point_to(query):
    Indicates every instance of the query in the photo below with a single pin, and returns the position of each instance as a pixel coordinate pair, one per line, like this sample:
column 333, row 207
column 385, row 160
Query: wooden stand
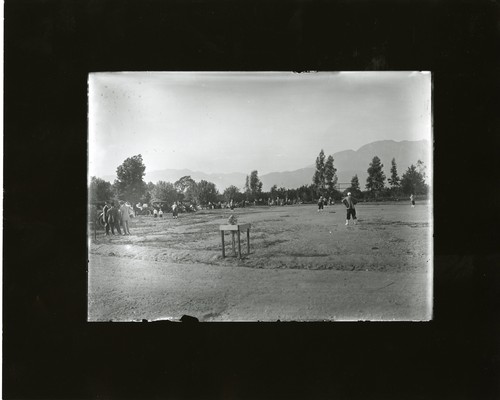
column 235, row 229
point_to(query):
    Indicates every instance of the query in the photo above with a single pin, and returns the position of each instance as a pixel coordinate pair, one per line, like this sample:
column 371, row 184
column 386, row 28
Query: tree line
column 411, row 182
column 130, row 186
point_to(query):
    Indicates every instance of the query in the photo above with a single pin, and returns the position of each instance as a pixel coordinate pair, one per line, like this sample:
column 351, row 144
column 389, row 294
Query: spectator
column 114, row 219
column 125, row 217
column 105, row 215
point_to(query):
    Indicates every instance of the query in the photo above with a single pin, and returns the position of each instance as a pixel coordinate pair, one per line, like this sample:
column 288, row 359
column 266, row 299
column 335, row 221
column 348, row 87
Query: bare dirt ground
column 303, row 265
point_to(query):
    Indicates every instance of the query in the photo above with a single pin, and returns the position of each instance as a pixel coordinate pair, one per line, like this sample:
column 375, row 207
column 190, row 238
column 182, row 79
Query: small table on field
column 235, row 229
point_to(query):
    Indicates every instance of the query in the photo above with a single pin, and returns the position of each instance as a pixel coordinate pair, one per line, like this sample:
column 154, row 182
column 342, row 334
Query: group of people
column 159, row 209
column 282, row 202
column 117, row 217
column 157, row 212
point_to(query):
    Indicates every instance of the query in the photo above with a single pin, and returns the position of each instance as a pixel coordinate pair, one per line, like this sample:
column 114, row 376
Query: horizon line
column 266, row 173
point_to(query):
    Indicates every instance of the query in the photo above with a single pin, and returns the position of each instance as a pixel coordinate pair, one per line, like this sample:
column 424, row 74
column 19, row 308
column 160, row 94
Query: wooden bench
column 237, row 228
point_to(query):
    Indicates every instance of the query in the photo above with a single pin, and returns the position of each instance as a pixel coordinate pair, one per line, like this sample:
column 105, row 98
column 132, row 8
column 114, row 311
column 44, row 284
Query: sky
column 243, row 121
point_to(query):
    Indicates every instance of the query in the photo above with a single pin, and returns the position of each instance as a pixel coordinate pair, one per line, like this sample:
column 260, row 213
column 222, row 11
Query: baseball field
column 303, row 265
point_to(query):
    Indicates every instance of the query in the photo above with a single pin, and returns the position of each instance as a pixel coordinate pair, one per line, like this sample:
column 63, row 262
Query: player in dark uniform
column 321, row 203
column 114, row 219
column 105, row 216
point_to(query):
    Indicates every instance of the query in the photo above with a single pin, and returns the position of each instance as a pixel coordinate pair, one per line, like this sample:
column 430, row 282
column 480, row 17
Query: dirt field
column 303, row 265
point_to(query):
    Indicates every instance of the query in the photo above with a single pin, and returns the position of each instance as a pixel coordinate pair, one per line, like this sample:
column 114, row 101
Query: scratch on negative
column 385, row 286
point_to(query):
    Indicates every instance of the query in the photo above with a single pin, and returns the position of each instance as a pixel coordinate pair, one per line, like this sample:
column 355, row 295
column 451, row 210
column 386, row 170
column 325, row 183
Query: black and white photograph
column 260, row 196
column 250, row 200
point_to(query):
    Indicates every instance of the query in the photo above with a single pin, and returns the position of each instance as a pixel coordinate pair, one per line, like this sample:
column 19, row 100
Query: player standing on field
column 350, row 203
column 175, row 210
column 320, row 203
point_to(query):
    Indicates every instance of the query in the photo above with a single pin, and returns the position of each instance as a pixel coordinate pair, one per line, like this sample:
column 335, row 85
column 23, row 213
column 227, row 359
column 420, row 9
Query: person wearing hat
column 350, row 203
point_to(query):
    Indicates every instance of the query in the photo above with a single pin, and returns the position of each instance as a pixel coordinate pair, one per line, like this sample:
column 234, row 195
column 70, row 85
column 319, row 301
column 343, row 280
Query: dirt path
column 134, row 290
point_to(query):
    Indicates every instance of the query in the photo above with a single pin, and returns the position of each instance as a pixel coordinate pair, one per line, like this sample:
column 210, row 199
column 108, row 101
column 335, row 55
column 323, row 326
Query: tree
column 191, row 193
column 282, row 193
column 413, row 180
column 186, row 187
column 319, row 174
column 306, row 193
column 232, row 192
column 129, row 184
column 255, row 183
column 207, row 192
column 394, row 180
column 330, row 175
column 292, row 195
column 99, row 190
column 421, row 169
column 248, row 192
column 148, row 196
column 253, row 186
column 354, row 188
column 376, row 177
column 274, row 190
column 184, row 183
column 165, row 191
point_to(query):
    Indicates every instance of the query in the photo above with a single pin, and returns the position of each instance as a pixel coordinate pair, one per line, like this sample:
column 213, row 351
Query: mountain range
column 347, row 162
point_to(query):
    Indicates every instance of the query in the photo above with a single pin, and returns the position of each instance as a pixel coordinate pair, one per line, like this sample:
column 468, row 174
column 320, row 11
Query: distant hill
column 347, row 162
column 350, row 163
